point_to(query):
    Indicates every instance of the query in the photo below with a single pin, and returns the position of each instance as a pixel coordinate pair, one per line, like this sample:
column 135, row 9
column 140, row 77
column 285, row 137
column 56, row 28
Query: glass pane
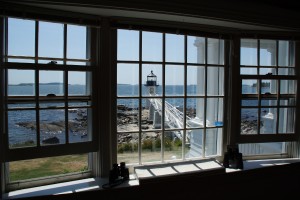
column 195, row 80
column 174, row 48
column 52, row 126
column 128, row 80
column 288, row 86
column 194, row 146
column 151, row 147
column 22, row 128
column 128, row 148
column 262, row 148
column 51, row 83
column 152, row 46
column 76, row 42
column 267, row 52
column 248, row 71
column 195, row 49
column 21, row 105
column 16, row 60
column 286, row 71
column 268, row 120
column 51, row 40
column 214, row 112
column 215, row 51
column 128, row 45
column 287, row 101
column 78, row 124
column 248, row 52
column 249, row 86
column 267, row 71
column 78, row 104
column 174, row 80
column 21, row 37
column 286, row 120
column 249, row 118
column 77, row 83
column 283, row 53
column 250, row 102
column 268, row 101
column 55, row 62
column 49, row 166
column 51, row 105
column 151, row 114
column 77, row 63
column 172, row 145
column 21, row 82
column 127, row 115
column 152, row 74
column 213, row 141
column 268, row 86
column 194, row 112
column 215, row 81
column 174, row 113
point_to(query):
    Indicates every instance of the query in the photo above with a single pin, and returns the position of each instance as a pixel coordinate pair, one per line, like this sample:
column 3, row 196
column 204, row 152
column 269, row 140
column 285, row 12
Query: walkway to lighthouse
column 174, row 118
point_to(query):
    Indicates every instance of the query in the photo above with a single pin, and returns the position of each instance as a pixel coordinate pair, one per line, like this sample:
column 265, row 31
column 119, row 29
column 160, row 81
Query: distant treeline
column 263, row 84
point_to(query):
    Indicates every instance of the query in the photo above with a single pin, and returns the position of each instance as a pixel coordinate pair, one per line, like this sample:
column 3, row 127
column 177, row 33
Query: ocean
column 22, row 126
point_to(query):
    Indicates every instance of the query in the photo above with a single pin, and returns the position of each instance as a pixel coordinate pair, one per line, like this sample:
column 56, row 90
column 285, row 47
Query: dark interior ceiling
column 265, row 13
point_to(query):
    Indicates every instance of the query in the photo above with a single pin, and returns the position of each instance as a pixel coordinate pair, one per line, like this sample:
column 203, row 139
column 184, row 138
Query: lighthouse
column 151, row 83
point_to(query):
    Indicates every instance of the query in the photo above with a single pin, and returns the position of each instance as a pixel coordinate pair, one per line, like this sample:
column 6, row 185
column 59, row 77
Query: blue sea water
column 19, row 133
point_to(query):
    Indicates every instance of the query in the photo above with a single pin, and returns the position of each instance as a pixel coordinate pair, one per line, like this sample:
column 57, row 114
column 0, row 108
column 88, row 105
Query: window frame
column 41, row 151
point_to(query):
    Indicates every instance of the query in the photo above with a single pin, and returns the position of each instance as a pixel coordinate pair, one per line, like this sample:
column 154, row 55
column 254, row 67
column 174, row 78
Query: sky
column 21, row 42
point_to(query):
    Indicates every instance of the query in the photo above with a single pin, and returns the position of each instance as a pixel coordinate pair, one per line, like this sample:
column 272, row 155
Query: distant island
column 263, row 84
column 32, row 84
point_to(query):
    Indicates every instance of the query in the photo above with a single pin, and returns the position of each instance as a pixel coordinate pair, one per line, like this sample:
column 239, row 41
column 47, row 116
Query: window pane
column 283, row 53
column 151, row 114
column 249, row 86
column 78, row 124
column 22, row 128
column 196, row 50
column 128, row 148
column 194, row 112
column 214, row 112
column 152, row 46
column 128, row 45
column 172, row 145
column 213, row 141
column 250, row 102
column 76, row 42
column 286, row 71
column 174, row 80
column 288, row 101
column 174, row 113
column 268, row 86
column 267, row 52
column 51, row 82
column 128, row 80
column 127, row 115
column 52, row 126
column 249, row 118
column 268, row 120
column 21, row 37
column 151, row 147
column 287, row 87
column 194, row 149
column 45, row 167
column 267, row 71
column 215, row 51
column 153, row 74
column 77, row 84
column 265, row 101
column 215, row 81
column 196, row 80
column 51, row 40
column 262, row 148
column 248, row 52
column 248, row 71
column 286, row 120
column 21, row 82
column 174, row 48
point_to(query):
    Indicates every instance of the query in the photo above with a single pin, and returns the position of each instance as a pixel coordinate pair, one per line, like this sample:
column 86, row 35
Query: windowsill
column 96, row 183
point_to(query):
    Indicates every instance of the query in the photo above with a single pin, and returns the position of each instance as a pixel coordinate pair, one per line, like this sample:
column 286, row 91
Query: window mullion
column 37, row 92
column 163, row 97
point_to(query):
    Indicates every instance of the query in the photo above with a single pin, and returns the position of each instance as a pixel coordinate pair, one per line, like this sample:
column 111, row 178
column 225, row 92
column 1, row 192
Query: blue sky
column 21, row 40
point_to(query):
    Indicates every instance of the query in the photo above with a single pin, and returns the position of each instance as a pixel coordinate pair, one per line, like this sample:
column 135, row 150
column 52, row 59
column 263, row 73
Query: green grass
column 43, row 167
